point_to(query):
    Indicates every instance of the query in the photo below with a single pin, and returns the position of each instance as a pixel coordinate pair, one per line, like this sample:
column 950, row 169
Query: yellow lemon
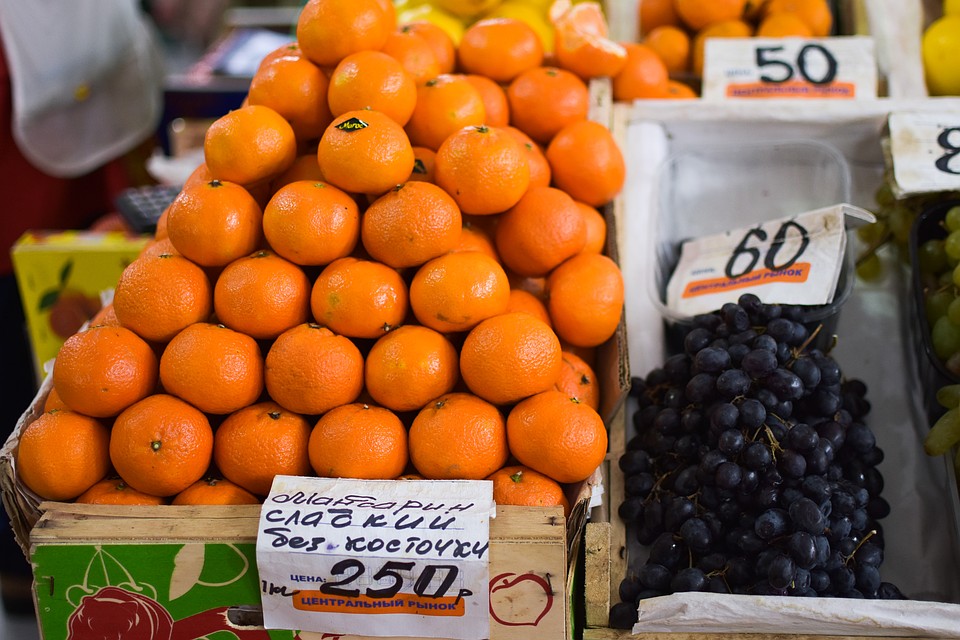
column 951, row 7
column 536, row 18
column 467, row 8
column 940, row 48
column 451, row 24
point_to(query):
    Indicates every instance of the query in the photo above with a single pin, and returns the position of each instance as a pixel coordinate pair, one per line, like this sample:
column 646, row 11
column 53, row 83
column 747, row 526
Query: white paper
column 726, row 613
column 376, row 558
column 925, row 152
column 836, row 68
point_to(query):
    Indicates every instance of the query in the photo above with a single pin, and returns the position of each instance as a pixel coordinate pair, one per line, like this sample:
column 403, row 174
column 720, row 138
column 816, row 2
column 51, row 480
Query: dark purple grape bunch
column 752, row 470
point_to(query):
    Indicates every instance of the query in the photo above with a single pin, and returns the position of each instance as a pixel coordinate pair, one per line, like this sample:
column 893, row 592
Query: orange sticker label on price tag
column 839, row 68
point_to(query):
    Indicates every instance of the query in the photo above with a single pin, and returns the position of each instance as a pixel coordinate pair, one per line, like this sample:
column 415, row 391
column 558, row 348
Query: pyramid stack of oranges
column 673, row 34
column 389, row 265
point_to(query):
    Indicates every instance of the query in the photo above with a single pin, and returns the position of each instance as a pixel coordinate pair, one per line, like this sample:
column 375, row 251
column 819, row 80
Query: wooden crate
column 197, row 566
column 855, row 129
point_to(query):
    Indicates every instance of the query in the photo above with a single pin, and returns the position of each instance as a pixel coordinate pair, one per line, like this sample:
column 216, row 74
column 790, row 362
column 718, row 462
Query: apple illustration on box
column 520, row 600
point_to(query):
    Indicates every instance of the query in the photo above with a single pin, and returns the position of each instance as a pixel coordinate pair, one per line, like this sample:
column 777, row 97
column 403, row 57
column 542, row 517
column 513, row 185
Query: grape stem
column 870, row 534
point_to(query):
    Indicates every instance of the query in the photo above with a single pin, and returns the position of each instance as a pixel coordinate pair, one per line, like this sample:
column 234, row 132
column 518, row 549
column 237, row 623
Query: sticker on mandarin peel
column 836, row 68
column 411, row 557
column 791, row 260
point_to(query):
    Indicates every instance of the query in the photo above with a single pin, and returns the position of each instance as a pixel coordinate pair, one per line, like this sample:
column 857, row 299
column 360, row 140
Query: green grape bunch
column 938, row 260
column 944, row 435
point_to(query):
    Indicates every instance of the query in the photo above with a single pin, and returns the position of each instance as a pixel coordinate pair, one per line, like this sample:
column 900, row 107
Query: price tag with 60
column 376, row 558
column 795, row 260
column 925, row 152
column 833, row 68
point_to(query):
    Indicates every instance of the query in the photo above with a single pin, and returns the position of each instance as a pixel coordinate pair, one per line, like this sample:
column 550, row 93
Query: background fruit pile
column 940, row 48
column 676, row 30
column 389, row 265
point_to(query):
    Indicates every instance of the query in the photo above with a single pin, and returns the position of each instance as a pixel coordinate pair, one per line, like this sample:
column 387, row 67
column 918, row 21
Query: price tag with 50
column 925, row 152
column 411, row 557
column 833, row 68
column 795, row 260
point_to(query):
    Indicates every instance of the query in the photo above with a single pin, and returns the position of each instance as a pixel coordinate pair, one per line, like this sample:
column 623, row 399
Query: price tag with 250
column 411, row 557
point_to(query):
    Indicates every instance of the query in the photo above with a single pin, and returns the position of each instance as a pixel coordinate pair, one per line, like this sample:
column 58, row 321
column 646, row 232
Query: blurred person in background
column 80, row 98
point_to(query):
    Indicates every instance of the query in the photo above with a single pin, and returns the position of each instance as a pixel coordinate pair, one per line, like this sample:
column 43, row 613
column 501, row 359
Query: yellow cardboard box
column 60, row 275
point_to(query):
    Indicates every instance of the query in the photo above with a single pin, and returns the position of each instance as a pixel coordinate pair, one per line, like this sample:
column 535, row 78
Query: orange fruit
column 115, row 491
column 539, row 232
column 409, row 367
column 439, row 40
column 526, row 302
column 586, row 299
column 160, row 232
column 157, row 296
column 311, row 223
column 330, row 30
column 725, row 29
column 211, row 490
column 159, row 247
column 358, row 441
column 445, row 104
column 410, row 224
column 61, row 454
column 484, row 168
column 103, row 370
column 499, row 48
column 537, row 161
column 260, row 441
column 457, row 290
column 372, row 80
column 309, row 370
column 213, row 367
column 359, row 298
column 494, row 99
column 587, row 163
column 815, row 13
column 475, row 238
column 581, row 44
column 546, row 99
column 643, row 76
column 558, row 436
column 304, row 167
column 53, row 401
column 161, row 445
column 214, row 223
column 672, row 45
column 654, row 13
column 677, row 90
column 365, row 152
column 249, row 145
column 262, row 295
column 697, row 14
column 296, row 89
column 509, row 357
column 414, row 54
column 783, row 25
column 578, row 380
column 423, row 163
column 522, row 486
column 458, row 436
column 595, row 228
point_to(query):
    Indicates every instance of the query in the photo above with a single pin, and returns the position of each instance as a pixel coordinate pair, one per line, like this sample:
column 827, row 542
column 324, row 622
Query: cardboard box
column 873, row 346
column 60, row 275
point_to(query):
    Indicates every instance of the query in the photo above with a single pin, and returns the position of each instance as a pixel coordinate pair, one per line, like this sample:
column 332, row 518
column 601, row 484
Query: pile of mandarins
column 389, row 265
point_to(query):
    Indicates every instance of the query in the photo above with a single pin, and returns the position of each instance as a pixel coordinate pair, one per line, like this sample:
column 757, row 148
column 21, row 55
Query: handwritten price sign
column 795, row 260
column 841, row 68
column 412, row 557
column 925, row 152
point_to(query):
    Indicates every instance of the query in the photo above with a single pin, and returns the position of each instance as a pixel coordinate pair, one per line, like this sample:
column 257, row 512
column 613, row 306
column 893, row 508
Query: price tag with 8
column 925, row 152
column 794, row 260
column 376, row 558
column 832, row 68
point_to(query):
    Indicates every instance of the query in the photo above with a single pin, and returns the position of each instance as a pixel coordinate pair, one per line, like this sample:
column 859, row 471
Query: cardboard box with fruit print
column 61, row 275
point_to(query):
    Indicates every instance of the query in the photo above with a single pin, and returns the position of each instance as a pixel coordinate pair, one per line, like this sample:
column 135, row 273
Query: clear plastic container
column 717, row 188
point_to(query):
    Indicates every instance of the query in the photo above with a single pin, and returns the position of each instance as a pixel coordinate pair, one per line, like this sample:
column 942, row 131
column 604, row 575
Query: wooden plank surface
column 615, row 634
